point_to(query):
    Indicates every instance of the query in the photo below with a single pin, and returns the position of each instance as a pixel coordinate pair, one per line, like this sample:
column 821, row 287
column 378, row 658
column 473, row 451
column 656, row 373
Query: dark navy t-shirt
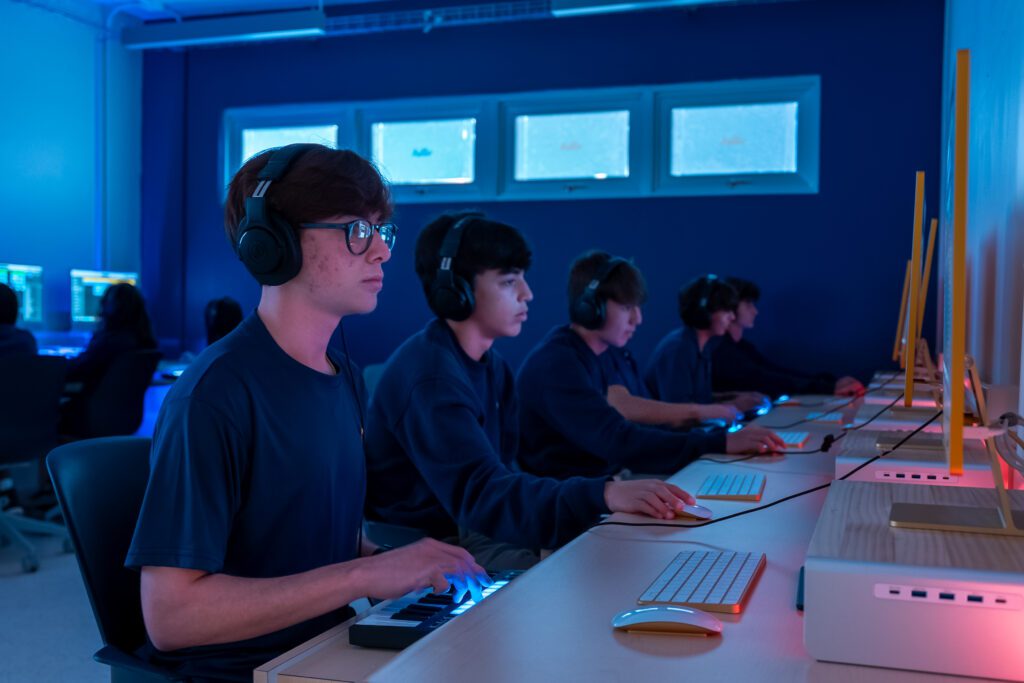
column 257, row 470
column 680, row 371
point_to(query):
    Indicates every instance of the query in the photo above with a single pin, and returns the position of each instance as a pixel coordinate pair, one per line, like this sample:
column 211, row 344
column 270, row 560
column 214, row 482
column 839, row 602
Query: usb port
column 901, row 476
column 931, row 476
column 919, row 594
column 915, row 476
column 894, row 591
column 975, row 598
column 947, row 596
column 1000, row 601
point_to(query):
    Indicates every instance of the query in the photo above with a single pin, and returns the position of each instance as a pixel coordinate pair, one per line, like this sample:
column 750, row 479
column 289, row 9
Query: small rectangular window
column 255, row 140
column 730, row 140
column 564, row 146
column 436, row 152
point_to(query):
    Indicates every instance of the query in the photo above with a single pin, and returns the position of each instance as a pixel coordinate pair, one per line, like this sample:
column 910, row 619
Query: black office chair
column 99, row 485
column 28, row 430
column 115, row 406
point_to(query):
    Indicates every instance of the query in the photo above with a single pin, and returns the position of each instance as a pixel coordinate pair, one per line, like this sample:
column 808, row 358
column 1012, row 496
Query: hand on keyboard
column 651, row 497
column 719, row 411
column 421, row 564
column 754, row 440
column 749, row 400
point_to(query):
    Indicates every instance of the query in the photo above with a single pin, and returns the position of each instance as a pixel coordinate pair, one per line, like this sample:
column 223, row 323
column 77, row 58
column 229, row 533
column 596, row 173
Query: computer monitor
column 901, row 322
column 27, row 283
column 87, row 287
column 914, row 295
column 998, row 519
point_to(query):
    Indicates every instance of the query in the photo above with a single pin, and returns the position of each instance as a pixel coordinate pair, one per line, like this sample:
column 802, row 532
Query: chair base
column 12, row 526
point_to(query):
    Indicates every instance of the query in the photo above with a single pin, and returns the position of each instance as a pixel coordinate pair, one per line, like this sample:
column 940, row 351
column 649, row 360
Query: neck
column 736, row 332
column 702, row 338
column 472, row 340
column 591, row 338
column 301, row 330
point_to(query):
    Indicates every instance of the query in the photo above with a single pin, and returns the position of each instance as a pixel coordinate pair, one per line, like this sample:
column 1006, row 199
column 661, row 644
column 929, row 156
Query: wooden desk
column 553, row 623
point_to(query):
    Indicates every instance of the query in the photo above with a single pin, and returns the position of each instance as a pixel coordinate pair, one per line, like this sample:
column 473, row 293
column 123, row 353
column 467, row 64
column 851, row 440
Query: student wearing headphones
column 680, row 369
column 569, row 427
column 13, row 340
column 442, row 430
column 249, row 538
column 737, row 365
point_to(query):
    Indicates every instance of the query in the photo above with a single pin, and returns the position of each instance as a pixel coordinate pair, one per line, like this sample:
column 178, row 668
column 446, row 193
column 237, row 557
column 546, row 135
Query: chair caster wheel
column 29, row 564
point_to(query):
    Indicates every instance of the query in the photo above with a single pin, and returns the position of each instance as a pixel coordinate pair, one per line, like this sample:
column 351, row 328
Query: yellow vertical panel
column 901, row 322
column 926, row 276
column 958, row 306
column 915, row 288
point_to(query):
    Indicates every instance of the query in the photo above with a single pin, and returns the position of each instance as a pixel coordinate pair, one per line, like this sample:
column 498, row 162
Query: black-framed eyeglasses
column 359, row 233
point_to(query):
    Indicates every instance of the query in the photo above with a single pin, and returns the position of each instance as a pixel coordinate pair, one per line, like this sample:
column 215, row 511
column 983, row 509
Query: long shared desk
column 554, row 622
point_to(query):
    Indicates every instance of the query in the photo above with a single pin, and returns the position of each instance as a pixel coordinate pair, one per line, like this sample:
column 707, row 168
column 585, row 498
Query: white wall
column 994, row 32
column 60, row 210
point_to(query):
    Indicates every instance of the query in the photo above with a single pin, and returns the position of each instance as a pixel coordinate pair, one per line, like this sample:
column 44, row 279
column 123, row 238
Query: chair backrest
column 99, row 485
column 29, row 405
column 115, row 406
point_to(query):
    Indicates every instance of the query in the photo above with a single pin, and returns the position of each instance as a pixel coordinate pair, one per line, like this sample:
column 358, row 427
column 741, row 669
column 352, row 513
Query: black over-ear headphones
column 701, row 316
column 267, row 243
column 588, row 309
column 451, row 296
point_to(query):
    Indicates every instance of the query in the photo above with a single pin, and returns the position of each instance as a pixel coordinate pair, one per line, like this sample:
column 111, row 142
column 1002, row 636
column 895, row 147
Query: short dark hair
column 8, row 305
column 719, row 294
column 624, row 285
column 745, row 289
column 320, row 183
column 221, row 316
column 486, row 244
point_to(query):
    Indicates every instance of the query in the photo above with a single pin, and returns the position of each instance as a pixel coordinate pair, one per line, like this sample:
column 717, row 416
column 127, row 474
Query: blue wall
column 830, row 265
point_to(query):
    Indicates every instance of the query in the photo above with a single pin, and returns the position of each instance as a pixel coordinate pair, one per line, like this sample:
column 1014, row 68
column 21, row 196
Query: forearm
column 650, row 412
column 184, row 608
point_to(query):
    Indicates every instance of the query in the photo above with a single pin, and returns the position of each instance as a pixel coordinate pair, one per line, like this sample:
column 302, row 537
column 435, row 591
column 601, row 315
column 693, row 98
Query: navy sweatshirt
column 739, row 366
column 441, row 437
column 569, row 428
column 680, row 371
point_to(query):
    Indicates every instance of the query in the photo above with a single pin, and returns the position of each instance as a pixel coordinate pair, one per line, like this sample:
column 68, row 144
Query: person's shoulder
column 560, row 346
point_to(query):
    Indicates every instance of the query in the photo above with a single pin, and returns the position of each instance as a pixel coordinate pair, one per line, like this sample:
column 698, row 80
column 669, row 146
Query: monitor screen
column 27, row 283
column 87, row 287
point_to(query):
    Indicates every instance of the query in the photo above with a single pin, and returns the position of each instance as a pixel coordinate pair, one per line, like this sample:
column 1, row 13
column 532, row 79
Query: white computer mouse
column 695, row 512
column 680, row 621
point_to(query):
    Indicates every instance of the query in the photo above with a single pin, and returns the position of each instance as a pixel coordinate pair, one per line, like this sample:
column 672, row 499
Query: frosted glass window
column 748, row 138
column 255, row 140
column 438, row 152
column 578, row 145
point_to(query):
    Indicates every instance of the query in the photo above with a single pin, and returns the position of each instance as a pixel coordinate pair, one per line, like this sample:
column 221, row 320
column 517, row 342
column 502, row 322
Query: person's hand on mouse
column 849, row 386
column 749, row 400
column 651, row 497
column 754, row 440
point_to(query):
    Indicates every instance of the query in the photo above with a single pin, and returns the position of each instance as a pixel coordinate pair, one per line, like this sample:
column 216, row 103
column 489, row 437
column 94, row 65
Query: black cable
column 816, row 419
column 780, row 500
column 881, row 386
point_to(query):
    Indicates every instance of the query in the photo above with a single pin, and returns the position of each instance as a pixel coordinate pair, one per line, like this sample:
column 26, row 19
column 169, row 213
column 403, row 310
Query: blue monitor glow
column 27, row 283
column 87, row 288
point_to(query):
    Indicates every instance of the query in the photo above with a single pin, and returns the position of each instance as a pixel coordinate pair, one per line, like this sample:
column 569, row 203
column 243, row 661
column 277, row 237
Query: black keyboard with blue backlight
column 395, row 624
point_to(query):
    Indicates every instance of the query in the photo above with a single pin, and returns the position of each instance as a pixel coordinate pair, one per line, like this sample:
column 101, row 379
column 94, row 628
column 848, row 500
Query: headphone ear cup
column 451, row 298
column 270, row 252
column 588, row 311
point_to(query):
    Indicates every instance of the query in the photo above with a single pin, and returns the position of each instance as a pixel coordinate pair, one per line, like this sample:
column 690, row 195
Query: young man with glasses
column 442, row 431
column 584, row 408
column 249, row 539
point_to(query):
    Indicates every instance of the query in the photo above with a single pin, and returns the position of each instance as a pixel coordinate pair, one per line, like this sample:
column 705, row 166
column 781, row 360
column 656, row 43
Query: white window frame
column 634, row 100
column 804, row 90
column 432, row 109
column 650, row 138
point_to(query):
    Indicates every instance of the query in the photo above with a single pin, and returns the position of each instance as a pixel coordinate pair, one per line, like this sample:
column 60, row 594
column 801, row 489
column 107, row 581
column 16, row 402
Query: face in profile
column 502, row 299
column 746, row 313
column 621, row 321
column 338, row 281
column 720, row 321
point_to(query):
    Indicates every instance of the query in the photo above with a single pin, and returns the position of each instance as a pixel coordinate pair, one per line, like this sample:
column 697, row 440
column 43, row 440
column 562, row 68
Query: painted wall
column 59, row 211
column 830, row 264
column 992, row 31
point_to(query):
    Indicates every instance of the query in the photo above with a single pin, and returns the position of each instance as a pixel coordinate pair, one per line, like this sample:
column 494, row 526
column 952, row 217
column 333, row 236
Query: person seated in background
column 442, row 430
column 249, row 540
column 13, row 340
column 737, row 365
column 569, row 426
column 680, row 369
column 221, row 316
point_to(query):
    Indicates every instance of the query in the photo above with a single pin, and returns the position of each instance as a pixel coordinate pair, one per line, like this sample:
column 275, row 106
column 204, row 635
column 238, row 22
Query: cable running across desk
column 734, row 515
